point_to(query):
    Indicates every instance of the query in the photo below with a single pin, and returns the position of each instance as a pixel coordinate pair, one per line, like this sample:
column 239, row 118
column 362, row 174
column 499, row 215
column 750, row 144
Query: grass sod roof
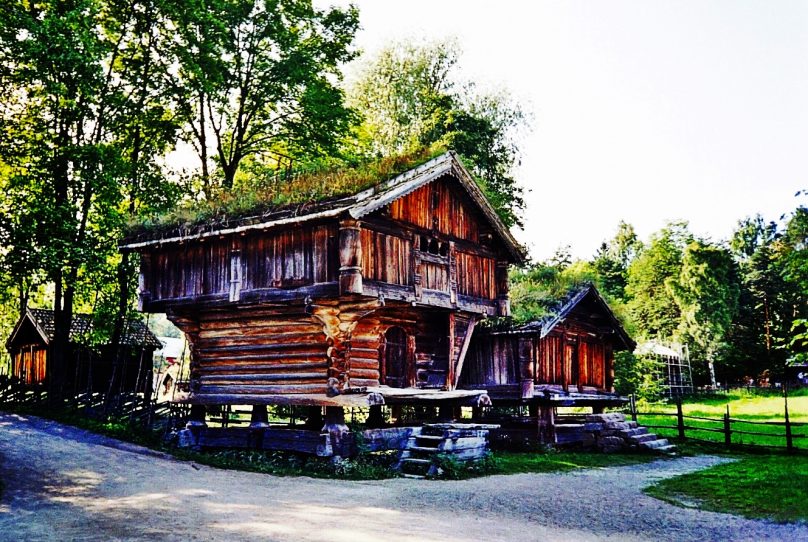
column 278, row 196
column 554, row 309
column 368, row 188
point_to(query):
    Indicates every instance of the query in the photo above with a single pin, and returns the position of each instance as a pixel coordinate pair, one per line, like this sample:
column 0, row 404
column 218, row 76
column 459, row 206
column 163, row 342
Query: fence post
column 633, row 406
column 789, row 438
column 680, row 419
column 727, row 429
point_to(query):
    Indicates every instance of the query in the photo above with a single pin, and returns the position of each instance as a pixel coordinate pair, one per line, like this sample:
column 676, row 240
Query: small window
column 433, row 246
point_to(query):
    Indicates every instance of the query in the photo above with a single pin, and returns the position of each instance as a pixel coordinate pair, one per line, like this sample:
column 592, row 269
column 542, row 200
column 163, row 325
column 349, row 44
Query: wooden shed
column 362, row 300
column 89, row 365
column 568, row 353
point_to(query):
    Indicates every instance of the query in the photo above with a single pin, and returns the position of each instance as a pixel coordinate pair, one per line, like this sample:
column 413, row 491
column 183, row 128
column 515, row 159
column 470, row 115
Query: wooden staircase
column 459, row 441
column 611, row 433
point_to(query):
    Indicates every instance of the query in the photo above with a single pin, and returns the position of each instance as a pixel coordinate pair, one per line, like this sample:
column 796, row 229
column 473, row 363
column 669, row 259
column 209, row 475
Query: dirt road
column 66, row 484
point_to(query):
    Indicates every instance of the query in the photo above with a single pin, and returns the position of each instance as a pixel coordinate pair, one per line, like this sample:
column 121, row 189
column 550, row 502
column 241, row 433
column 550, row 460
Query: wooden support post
column 789, row 436
column 396, row 414
column 445, row 413
column 727, row 429
column 633, row 405
column 533, row 410
column 337, row 431
column 375, row 417
column 259, row 417
column 680, row 419
column 526, row 365
column 450, row 375
column 476, row 413
column 501, row 278
column 197, row 416
column 546, row 424
column 350, row 257
column 314, row 418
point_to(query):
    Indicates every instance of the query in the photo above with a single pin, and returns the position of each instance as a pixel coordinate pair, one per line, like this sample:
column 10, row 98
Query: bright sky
column 643, row 111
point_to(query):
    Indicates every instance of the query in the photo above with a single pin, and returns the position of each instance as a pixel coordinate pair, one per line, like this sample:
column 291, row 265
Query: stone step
column 654, row 444
column 645, row 437
column 670, row 449
column 637, row 431
column 633, row 425
column 423, row 449
column 414, row 461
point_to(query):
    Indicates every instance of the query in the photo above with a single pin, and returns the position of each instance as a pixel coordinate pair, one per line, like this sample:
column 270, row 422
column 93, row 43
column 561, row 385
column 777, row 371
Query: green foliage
column 766, row 487
column 450, row 468
column 538, row 290
column 408, row 96
column 706, row 293
column 368, row 466
column 638, row 375
column 255, row 78
column 651, row 303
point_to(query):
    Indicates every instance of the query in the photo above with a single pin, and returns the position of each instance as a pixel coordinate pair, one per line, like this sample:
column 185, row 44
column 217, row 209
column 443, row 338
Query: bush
column 638, row 375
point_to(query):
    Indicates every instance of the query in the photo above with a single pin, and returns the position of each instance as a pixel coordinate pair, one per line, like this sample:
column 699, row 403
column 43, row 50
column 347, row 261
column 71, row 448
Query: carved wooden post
column 503, row 299
column 415, row 268
column 350, row 257
column 546, row 424
column 337, row 431
column 235, row 269
column 143, row 294
column 526, row 366
column 450, row 375
column 452, row 274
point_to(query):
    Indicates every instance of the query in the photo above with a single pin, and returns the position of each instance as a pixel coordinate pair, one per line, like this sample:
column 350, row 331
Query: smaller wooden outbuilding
column 564, row 359
column 89, row 366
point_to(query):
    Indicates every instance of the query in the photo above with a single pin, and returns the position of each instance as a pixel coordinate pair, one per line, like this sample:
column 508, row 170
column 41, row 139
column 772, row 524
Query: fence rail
column 724, row 425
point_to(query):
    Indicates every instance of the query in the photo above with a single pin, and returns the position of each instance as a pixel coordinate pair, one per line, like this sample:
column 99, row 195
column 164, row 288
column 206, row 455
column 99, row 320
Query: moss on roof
column 264, row 196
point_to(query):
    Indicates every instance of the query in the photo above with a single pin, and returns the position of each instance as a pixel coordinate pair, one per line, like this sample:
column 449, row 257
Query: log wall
column 565, row 357
column 271, row 350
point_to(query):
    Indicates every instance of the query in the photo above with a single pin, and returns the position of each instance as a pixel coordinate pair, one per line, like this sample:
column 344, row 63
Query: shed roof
column 356, row 205
column 135, row 333
column 567, row 309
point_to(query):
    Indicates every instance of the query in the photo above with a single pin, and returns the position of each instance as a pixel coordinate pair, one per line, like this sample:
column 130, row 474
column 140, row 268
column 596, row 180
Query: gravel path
column 66, row 484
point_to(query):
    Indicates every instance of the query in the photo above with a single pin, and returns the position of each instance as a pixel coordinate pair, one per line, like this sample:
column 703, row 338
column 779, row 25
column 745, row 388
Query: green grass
column 744, row 407
column 769, row 487
column 561, row 461
column 255, row 196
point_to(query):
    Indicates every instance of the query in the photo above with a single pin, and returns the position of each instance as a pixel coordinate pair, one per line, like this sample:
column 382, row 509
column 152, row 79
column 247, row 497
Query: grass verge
column 562, row 461
column 758, row 486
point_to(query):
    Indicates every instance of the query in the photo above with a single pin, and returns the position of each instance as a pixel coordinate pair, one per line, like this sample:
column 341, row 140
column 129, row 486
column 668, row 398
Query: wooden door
column 395, row 354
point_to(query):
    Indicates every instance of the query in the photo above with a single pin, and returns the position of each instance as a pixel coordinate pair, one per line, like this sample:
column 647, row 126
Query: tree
column 650, row 276
column 81, row 128
column 706, row 293
column 613, row 259
column 408, row 96
column 257, row 77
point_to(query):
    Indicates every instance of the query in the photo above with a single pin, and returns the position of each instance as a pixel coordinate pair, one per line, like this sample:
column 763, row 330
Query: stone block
column 593, row 426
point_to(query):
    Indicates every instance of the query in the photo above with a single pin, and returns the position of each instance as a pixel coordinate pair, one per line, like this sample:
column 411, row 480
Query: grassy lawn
column 562, row 461
column 744, row 407
column 764, row 486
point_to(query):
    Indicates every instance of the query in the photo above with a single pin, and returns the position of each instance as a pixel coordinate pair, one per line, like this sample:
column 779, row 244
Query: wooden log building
column 363, row 300
column 89, row 366
column 565, row 359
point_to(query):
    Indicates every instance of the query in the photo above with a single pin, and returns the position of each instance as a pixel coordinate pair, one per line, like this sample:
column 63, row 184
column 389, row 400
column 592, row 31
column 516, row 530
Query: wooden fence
column 786, row 434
